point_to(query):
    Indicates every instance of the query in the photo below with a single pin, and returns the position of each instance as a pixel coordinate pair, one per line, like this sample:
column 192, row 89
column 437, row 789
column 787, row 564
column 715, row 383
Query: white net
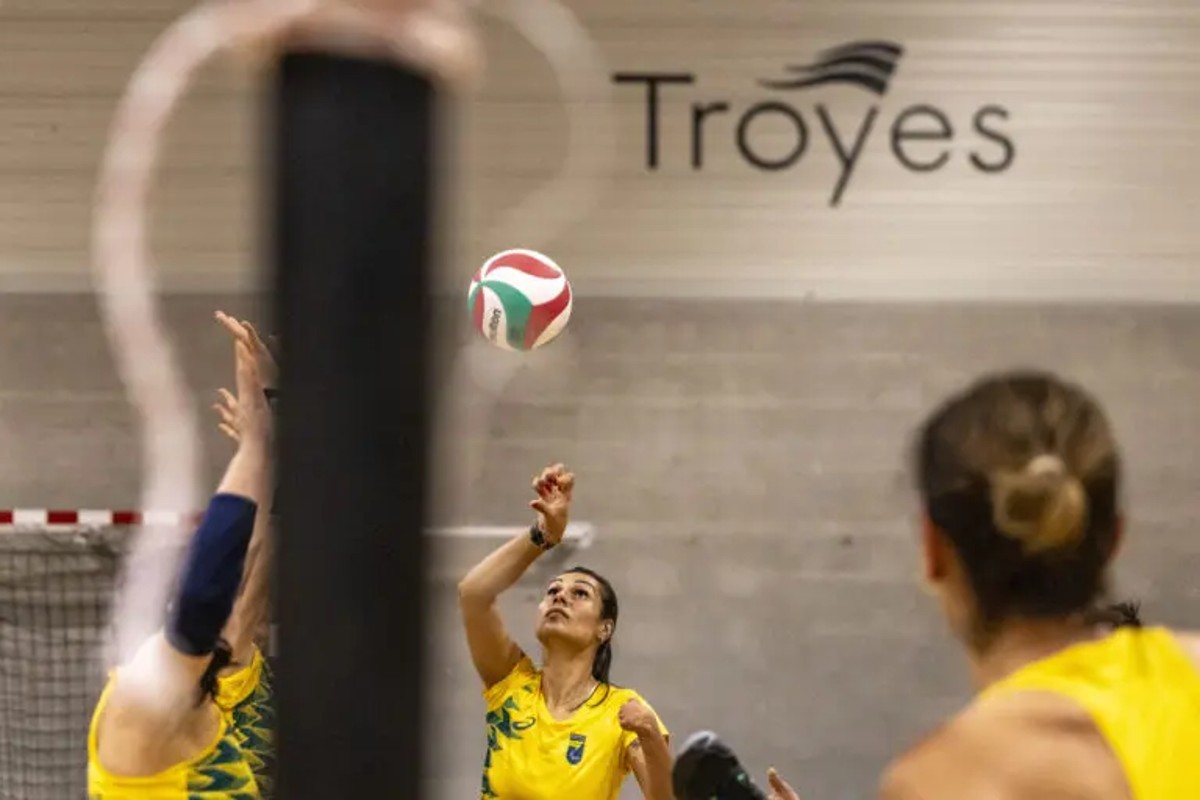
column 56, row 588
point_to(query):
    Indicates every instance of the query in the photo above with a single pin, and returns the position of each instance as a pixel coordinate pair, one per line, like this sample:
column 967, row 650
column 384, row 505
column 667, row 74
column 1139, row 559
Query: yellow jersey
column 246, row 696
column 533, row 756
column 219, row 772
column 1143, row 693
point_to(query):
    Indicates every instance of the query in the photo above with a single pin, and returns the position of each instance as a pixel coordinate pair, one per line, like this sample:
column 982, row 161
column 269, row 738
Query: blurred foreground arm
column 251, row 609
column 492, row 649
column 163, row 678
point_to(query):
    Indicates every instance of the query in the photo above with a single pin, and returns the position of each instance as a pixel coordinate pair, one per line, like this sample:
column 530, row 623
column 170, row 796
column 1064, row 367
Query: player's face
column 570, row 610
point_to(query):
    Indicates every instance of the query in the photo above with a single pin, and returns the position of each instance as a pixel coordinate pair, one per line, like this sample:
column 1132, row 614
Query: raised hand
column 227, row 411
column 244, row 331
column 245, row 417
column 553, row 486
column 779, row 787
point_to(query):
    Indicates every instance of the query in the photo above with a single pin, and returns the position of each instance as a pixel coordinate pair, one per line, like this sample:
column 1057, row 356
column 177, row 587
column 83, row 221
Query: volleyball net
column 56, row 589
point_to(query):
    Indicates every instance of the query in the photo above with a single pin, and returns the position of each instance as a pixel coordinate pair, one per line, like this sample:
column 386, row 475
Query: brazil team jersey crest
column 533, row 756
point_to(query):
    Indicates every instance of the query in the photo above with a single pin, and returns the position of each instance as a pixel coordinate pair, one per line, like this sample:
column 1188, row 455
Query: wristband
column 538, row 538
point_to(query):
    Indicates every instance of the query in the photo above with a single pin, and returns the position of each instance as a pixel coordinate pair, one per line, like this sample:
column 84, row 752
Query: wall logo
column 921, row 137
column 869, row 65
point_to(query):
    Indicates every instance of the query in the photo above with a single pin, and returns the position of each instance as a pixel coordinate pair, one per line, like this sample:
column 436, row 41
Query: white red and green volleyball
column 519, row 300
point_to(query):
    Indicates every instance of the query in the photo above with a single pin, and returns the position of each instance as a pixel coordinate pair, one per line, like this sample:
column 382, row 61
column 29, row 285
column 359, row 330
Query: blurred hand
column 635, row 717
column 227, row 412
column 243, row 331
column 553, row 486
column 245, row 418
column 779, row 790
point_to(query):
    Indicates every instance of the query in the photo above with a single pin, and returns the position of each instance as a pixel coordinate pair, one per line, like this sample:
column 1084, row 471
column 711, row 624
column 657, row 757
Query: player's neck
column 566, row 680
column 1024, row 642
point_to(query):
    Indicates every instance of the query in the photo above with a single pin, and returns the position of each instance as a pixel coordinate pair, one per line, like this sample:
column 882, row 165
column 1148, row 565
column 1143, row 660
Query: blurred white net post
column 429, row 35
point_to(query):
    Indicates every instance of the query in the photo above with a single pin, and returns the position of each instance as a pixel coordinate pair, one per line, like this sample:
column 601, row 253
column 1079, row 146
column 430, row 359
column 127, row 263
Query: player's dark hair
column 1118, row 615
column 602, row 663
column 1020, row 472
column 222, row 657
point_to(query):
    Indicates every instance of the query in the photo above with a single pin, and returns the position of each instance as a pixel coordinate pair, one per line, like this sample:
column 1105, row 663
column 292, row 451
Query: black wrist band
column 538, row 538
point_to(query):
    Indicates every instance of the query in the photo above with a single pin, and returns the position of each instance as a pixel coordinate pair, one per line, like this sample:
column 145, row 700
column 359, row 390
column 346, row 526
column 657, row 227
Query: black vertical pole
column 352, row 158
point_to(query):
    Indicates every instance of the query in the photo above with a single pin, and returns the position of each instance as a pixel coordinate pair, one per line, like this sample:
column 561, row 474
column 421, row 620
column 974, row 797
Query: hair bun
column 1043, row 506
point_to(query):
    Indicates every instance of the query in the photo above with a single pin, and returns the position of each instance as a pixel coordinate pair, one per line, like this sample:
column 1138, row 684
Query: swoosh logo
column 524, row 724
column 869, row 65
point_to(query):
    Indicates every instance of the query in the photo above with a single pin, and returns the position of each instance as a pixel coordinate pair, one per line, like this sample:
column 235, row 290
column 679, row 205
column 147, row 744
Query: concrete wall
column 744, row 465
column 1097, row 100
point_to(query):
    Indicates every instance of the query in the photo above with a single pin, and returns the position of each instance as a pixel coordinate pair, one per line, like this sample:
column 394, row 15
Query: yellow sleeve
column 523, row 671
column 238, row 684
column 629, row 737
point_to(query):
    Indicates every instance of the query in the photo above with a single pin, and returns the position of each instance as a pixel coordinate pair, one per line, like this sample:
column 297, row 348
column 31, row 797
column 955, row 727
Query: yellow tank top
column 1143, row 692
column 220, row 772
column 532, row 756
column 246, row 697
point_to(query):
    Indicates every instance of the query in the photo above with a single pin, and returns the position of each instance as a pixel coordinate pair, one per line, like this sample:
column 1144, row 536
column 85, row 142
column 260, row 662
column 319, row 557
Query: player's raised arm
column 246, row 624
column 492, row 649
column 169, row 673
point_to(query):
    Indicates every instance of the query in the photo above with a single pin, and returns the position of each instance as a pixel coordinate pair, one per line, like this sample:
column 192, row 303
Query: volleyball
column 519, row 300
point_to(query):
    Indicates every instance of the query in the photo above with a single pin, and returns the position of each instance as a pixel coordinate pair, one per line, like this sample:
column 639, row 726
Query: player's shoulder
column 959, row 756
column 619, row 695
column 522, row 669
column 1189, row 641
column 622, row 693
column 524, row 675
column 1002, row 746
column 921, row 771
column 954, row 761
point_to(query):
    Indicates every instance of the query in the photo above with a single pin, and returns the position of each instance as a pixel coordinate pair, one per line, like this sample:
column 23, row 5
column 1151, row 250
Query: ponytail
column 602, row 663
